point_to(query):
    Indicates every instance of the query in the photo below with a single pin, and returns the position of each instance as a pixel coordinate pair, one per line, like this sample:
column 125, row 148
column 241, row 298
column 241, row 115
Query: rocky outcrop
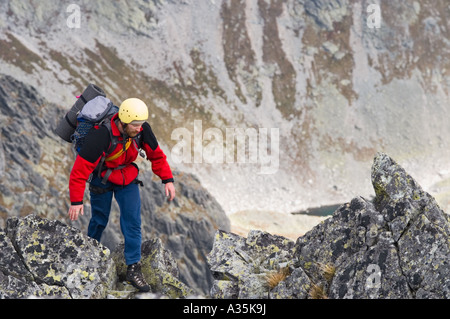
column 41, row 258
column 241, row 265
column 395, row 246
column 47, row 258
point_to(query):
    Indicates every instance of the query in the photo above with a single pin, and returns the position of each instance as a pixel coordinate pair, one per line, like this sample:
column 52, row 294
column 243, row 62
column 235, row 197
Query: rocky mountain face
column 336, row 80
column 35, row 171
column 395, row 246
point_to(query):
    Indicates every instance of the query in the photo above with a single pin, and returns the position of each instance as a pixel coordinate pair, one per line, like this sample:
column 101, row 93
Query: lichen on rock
column 51, row 259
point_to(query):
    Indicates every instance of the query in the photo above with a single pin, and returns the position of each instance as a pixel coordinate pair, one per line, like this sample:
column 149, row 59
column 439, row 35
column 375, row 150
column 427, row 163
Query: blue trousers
column 129, row 201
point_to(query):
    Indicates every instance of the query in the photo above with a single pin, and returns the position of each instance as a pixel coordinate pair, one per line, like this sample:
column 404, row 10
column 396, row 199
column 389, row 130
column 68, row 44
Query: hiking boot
column 135, row 277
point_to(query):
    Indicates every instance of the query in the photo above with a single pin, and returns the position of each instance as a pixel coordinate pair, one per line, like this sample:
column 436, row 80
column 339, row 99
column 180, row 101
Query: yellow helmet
column 133, row 109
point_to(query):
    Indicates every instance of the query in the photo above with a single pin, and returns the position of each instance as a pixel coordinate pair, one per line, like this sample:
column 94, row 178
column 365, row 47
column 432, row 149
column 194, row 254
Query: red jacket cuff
column 159, row 163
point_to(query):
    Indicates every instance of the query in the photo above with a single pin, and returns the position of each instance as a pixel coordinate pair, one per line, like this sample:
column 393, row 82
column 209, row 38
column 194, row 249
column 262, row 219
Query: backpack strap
column 138, row 143
column 109, row 171
column 114, row 141
column 123, row 150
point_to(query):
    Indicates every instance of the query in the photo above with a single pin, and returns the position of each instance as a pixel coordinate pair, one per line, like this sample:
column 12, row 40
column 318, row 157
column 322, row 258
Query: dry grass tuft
column 317, row 292
column 275, row 277
column 328, row 271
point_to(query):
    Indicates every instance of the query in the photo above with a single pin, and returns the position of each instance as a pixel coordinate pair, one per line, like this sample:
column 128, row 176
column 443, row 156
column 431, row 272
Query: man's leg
column 129, row 201
column 101, row 199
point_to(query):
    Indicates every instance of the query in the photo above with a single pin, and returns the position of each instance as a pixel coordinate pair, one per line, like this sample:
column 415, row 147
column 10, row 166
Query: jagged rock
column 240, row 265
column 44, row 258
column 296, row 286
column 15, row 279
column 395, row 246
column 158, row 267
column 421, row 230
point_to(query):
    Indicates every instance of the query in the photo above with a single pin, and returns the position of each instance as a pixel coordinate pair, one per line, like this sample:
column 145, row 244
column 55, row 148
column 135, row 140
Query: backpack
column 95, row 112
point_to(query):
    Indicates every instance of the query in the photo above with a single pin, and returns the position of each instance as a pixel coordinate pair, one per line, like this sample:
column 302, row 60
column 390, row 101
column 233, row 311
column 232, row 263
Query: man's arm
column 155, row 154
column 86, row 161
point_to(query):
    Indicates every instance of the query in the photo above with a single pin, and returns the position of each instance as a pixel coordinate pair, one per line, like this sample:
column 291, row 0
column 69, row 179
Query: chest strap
column 119, row 153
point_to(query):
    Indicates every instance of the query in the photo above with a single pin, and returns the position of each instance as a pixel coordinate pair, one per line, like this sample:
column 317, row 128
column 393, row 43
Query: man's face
column 132, row 129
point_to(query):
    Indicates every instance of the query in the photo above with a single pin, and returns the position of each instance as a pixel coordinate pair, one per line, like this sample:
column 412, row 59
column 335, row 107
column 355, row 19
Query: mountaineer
column 116, row 174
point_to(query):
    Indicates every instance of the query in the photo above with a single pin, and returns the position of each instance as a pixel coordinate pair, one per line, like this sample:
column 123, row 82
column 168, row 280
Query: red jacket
column 97, row 144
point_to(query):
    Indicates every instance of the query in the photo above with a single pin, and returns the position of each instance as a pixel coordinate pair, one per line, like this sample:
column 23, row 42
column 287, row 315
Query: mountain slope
column 316, row 72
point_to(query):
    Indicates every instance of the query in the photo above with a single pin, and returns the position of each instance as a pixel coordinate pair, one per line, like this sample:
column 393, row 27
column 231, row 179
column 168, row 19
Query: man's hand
column 170, row 190
column 75, row 210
